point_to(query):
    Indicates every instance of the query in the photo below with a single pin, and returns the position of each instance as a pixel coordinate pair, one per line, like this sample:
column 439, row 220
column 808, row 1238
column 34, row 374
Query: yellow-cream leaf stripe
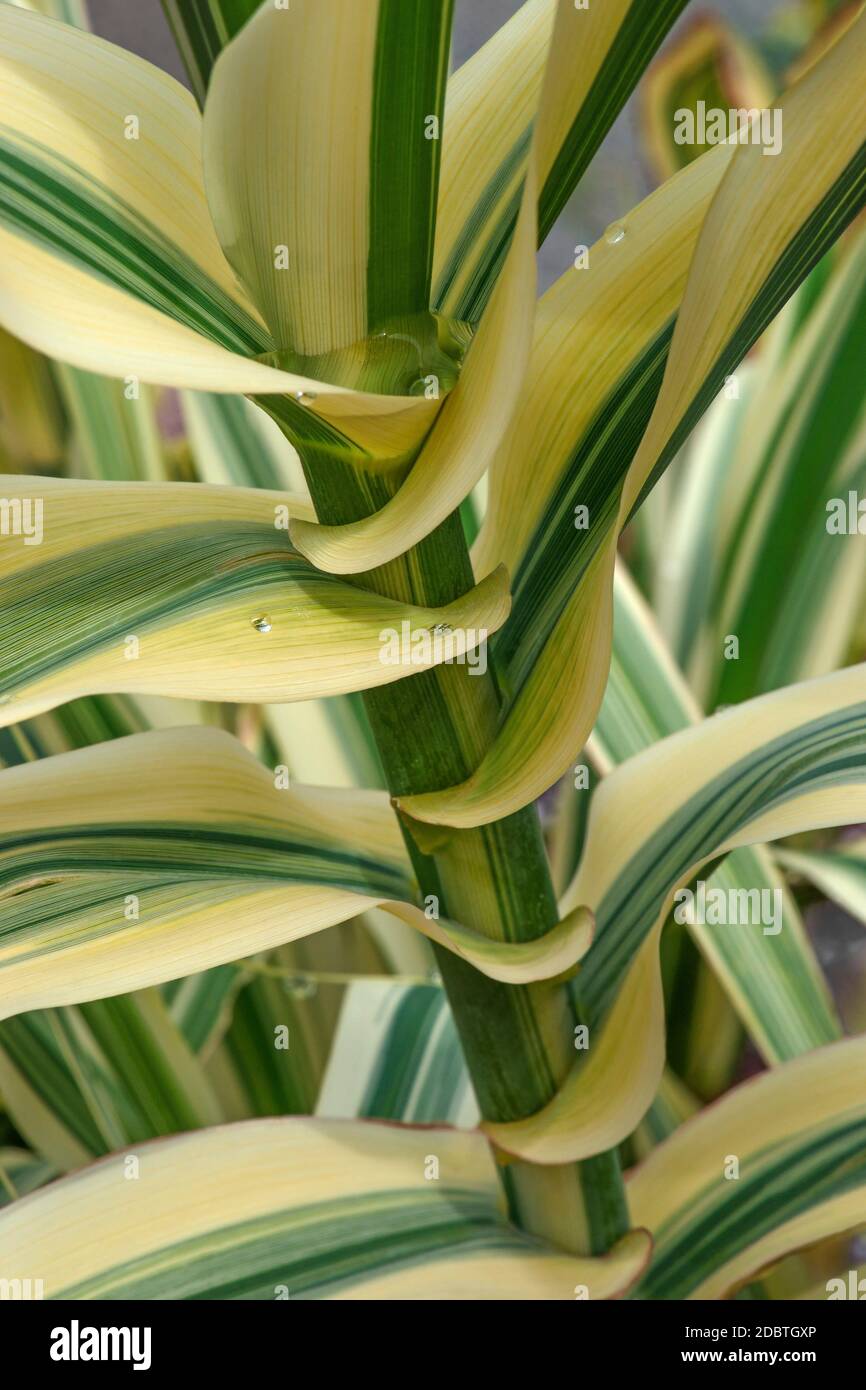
column 798, row 1134
column 298, row 1208
column 185, row 853
column 109, row 257
column 195, row 591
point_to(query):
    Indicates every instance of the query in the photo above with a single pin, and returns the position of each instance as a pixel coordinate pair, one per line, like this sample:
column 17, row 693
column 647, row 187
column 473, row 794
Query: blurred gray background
column 619, row 177
column 141, row 26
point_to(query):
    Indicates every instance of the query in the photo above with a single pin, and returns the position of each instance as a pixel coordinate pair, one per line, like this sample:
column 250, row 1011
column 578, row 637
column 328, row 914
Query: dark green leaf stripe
column 227, row 857
column 30, row 1045
column 826, row 752
column 53, row 204
column 202, row 28
column 77, row 724
column 413, row 44
column 199, row 1003
column 774, row 1187
column 497, row 207
column 388, row 1091
column 313, row 1250
column 420, row 1072
column 104, row 1071
column 639, row 36
column 557, row 555
column 272, row 1087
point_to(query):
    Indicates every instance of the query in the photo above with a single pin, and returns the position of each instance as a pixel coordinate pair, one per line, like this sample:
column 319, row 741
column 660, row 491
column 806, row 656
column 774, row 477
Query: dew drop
column 305, row 397
column 615, row 233
column 262, row 624
column 301, row 987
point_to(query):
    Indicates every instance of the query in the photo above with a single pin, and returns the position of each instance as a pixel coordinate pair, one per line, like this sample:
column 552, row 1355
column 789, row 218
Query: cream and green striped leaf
column 318, row 143
column 773, row 980
column 109, row 257
column 770, row 221
column 683, row 576
column 87, row 1079
column 749, row 522
column 485, row 147
column 839, row 872
column 298, row 1209
column 114, row 435
column 766, row 229
column 586, row 399
column 201, row 29
column 185, row 853
column 791, row 583
column 195, row 591
column 597, row 55
column 396, row 1055
column 771, row 767
column 202, row 1004
column 718, row 471
column 232, row 441
column 21, row 1172
column 474, row 430
column 672, row 1105
column 270, row 1059
column 798, row 1134
column 102, row 195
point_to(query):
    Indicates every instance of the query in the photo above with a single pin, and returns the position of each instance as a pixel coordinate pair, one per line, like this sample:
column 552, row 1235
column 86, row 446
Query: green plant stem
column 431, row 730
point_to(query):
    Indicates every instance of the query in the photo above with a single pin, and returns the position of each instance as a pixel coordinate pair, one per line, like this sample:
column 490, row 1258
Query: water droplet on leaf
column 301, row 987
column 614, row 233
column 262, row 624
